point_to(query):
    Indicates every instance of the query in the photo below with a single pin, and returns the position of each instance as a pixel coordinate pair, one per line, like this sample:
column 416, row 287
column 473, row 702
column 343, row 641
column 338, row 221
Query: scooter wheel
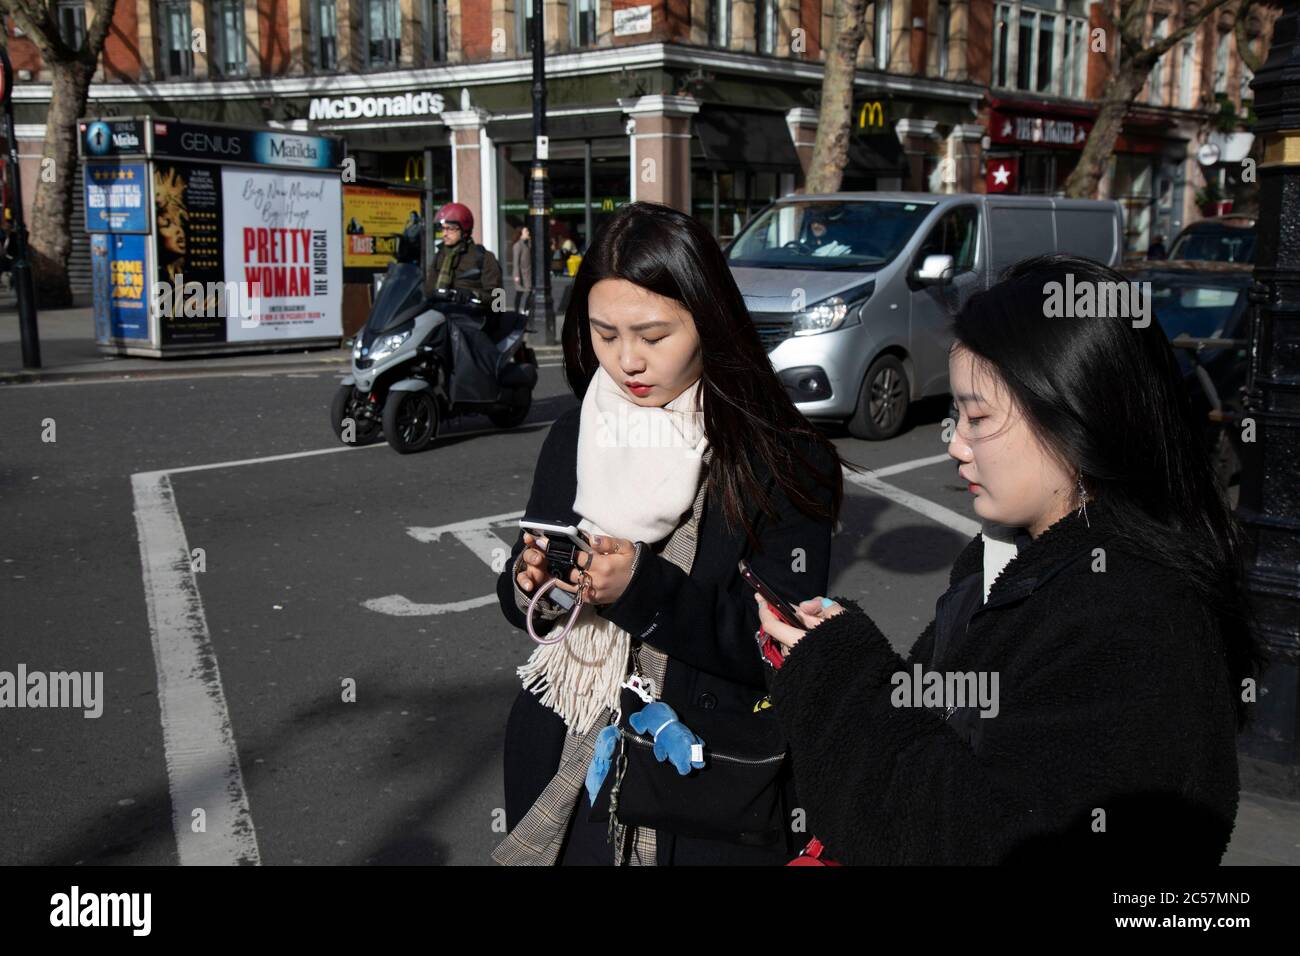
column 411, row 421
column 365, row 431
column 514, row 413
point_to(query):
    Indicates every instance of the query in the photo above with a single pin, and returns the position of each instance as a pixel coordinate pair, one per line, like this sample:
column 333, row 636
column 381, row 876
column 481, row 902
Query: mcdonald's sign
column 414, row 169
column 871, row 115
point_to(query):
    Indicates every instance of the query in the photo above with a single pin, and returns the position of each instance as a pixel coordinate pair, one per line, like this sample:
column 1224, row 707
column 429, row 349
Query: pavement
column 308, row 568
column 69, row 352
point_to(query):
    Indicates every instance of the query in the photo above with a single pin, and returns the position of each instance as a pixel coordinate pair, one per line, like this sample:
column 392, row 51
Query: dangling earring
column 1083, row 499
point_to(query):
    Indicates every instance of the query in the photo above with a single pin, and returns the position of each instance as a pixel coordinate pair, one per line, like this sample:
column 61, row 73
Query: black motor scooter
column 422, row 359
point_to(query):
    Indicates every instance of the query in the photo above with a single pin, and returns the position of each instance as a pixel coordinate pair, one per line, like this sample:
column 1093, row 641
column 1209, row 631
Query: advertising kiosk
column 208, row 238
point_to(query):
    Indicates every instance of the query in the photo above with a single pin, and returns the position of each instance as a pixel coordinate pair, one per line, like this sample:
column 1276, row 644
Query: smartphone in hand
column 780, row 607
column 554, row 530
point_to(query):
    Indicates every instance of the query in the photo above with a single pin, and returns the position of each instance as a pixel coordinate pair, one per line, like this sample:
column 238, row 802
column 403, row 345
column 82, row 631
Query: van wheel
column 882, row 404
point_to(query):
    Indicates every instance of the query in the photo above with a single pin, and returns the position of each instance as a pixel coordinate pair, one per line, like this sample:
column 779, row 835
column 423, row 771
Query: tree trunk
column 51, row 226
column 1120, row 93
column 831, row 149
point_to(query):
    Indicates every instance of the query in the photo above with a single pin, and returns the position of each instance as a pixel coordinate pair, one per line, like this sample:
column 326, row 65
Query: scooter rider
column 460, row 262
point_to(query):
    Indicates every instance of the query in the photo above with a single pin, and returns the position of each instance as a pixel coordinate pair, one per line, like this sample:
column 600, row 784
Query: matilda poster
column 187, row 219
column 282, row 234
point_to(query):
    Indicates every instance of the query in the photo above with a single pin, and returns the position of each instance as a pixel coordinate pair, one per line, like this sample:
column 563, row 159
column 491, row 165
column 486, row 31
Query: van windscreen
column 857, row 234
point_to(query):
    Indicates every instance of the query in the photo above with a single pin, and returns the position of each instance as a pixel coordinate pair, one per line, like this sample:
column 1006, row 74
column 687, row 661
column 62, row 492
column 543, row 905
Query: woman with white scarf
column 685, row 456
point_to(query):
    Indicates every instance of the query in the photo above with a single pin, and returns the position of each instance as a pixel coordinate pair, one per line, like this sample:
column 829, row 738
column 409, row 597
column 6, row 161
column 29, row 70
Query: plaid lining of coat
column 537, row 839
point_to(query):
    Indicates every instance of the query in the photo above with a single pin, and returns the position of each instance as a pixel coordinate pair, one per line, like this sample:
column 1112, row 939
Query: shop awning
column 404, row 136
column 746, row 139
column 564, row 126
column 877, row 154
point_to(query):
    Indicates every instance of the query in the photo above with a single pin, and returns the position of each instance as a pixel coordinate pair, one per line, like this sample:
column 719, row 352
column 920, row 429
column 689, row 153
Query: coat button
column 708, row 701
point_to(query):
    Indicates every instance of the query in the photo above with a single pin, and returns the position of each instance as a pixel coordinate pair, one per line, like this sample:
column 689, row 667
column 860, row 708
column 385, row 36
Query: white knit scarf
column 638, row 472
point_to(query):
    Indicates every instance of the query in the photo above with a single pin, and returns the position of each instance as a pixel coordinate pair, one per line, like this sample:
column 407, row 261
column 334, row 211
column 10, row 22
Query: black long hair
column 1108, row 399
column 748, row 415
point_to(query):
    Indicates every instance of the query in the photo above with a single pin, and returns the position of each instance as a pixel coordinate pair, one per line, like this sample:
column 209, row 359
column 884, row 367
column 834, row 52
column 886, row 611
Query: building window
column 176, row 59
column 884, row 15
column 72, row 22
column 325, row 26
column 945, row 16
column 383, row 32
column 524, row 26
column 1221, row 62
column 228, row 56
column 720, row 23
column 1156, row 80
column 1075, row 68
column 1039, row 46
column 438, row 31
column 767, row 23
column 582, row 22
column 1188, row 78
column 1002, row 43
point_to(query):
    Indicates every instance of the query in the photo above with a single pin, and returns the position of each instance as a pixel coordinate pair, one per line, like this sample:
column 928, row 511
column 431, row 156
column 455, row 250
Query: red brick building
column 709, row 105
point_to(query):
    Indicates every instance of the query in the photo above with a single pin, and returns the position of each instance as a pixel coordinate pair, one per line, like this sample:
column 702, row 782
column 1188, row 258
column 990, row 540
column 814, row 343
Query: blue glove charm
column 606, row 741
column 674, row 741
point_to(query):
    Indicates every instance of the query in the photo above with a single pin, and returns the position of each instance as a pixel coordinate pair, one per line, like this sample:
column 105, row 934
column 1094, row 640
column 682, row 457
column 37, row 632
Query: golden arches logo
column 871, row 114
column 414, row 169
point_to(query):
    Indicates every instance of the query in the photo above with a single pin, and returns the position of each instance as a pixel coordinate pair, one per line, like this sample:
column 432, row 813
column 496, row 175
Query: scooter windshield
column 400, row 292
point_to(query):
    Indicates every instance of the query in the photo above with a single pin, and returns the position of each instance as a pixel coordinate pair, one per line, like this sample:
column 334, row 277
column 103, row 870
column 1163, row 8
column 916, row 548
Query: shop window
column 524, row 26
column 325, row 26
column 725, row 201
column 583, row 17
column 383, row 32
column 1039, row 46
column 884, row 18
column 72, row 23
column 228, row 54
column 175, row 59
column 437, row 32
column 720, row 23
column 956, row 235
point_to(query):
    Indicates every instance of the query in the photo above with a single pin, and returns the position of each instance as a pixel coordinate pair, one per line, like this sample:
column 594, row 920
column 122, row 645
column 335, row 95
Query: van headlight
column 389, row 344
column 826, row 316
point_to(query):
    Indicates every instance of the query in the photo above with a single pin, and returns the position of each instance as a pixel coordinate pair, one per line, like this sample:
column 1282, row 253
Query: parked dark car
column 1218, row 239
column 1206, row 300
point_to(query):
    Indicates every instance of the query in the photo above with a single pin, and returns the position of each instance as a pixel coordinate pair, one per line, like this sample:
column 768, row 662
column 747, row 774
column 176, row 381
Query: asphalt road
column 225, row 736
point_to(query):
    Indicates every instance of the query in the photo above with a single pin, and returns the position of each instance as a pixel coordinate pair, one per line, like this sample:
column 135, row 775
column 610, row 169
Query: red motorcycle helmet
column 457, row 213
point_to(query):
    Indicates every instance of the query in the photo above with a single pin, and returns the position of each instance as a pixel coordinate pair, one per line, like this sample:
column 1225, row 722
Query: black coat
column 1114, row 694
column 705, row 622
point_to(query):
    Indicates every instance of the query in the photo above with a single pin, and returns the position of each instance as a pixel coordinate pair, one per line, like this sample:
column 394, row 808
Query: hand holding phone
column 563, row 542
column 780, row 607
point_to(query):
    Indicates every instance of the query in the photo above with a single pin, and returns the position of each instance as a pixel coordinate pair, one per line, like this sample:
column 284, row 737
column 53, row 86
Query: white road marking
column 199, row 743
column 932, row 510
column 475, row 534
column 395, row 605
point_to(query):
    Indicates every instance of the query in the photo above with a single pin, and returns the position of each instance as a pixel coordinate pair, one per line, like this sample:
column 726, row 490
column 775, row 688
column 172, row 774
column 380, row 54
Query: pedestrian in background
column 521, row 258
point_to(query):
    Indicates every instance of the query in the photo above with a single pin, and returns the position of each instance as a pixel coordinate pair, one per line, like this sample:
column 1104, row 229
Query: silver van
column 853, row 294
